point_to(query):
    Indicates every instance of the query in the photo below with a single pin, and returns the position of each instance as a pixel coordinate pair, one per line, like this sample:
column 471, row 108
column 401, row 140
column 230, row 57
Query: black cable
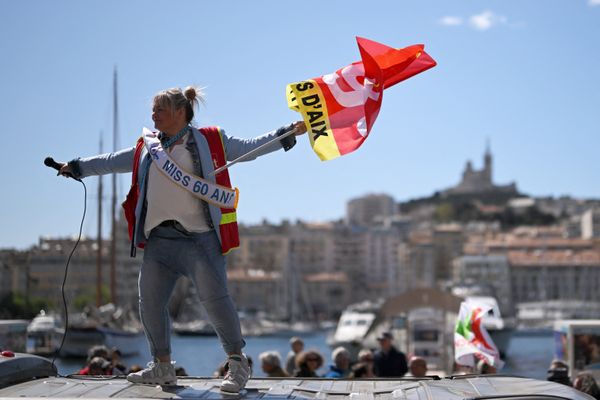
column 62, row 288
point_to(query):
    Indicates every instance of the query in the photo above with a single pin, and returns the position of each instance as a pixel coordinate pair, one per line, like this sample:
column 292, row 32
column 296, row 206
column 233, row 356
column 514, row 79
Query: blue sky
column 523, row 74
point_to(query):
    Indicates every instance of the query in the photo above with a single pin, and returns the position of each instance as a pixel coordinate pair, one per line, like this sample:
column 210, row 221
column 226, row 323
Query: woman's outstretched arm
column 120, row 161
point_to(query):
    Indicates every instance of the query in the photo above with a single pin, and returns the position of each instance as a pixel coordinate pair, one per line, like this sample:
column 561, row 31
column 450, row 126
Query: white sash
column 218, row 195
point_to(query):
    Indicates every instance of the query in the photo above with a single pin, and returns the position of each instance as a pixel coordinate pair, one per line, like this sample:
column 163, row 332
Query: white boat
column 109, row 326
column 353, row 326
column 421, row 321
column 256, row 325
column 44, row 334
column 261, row 324
column 197, row 327
column 80, row 339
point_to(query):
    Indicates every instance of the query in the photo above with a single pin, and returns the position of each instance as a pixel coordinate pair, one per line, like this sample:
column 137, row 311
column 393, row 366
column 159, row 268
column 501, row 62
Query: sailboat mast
column 99, row 239
column 113, row 243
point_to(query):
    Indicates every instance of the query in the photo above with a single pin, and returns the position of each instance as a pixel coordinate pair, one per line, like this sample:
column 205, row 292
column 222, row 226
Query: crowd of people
column 385, row 362
column 104, row 361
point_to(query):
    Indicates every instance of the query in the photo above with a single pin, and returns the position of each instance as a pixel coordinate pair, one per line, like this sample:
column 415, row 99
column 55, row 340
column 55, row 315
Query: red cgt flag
column 339, row 109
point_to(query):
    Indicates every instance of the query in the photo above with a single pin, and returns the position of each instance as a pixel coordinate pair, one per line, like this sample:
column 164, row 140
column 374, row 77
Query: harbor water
column 529, row 353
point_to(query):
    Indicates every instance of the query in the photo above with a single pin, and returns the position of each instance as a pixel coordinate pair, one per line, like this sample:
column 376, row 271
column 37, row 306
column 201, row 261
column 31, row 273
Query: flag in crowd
column 471, row 340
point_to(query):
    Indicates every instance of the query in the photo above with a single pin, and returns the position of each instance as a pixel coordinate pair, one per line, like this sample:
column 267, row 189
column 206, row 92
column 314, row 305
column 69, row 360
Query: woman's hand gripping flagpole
column 298, row 128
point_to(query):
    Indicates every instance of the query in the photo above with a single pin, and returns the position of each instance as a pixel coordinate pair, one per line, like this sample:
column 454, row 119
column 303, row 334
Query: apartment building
column 543, row 275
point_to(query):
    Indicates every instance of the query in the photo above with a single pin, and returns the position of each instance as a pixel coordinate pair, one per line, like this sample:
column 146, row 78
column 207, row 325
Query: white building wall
column 590, row 224
column 492, row 270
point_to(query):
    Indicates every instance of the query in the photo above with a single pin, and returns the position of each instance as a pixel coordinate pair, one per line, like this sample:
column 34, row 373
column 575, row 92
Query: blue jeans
column 170, row 254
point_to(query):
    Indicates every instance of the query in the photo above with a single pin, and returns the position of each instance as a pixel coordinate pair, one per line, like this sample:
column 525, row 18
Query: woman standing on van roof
column 186, row 219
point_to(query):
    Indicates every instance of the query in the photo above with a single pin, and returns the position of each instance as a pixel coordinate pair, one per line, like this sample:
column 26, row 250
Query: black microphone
column 49, row 162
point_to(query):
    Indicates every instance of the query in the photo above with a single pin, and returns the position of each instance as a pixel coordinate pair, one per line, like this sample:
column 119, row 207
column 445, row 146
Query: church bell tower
column 487, row 162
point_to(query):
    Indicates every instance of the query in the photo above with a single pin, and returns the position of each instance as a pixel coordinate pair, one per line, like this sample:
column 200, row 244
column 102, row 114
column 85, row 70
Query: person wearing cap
column 297, row 346
column 389, row 361
column 341, row 364
column 558, row 372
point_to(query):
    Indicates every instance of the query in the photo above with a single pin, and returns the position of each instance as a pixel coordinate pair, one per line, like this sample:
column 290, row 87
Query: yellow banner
column 307, row 98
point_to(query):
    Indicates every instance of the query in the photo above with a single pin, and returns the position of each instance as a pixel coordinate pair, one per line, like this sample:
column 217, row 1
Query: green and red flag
column 339, row 109
column 471, row 340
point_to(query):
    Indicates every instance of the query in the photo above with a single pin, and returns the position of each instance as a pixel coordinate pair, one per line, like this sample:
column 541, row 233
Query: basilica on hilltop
column 480, row 181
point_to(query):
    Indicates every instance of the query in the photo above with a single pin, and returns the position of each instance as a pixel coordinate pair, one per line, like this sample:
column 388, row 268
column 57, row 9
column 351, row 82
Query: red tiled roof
column 420, row 238
column 554, row 258
column 516, row 242
column 340, row 277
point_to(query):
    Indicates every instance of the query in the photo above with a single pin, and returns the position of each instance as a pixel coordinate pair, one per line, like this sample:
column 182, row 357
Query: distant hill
column 484, row 206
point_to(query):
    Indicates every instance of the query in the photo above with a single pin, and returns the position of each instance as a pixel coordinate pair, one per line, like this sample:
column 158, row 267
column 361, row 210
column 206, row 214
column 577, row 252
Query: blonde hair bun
column 190, row 93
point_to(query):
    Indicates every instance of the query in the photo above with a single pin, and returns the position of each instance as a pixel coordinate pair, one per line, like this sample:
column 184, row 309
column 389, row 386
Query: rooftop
column 24, row 368
column 554, row 258
column 473, row 387
column 327, row 277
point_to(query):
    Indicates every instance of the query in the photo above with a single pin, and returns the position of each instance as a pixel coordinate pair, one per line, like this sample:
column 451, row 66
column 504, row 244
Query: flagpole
column 251, row 152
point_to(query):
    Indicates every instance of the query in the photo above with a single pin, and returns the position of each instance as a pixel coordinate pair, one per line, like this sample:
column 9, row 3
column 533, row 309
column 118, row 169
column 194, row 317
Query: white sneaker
column 237, row 375
column 157, row 373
